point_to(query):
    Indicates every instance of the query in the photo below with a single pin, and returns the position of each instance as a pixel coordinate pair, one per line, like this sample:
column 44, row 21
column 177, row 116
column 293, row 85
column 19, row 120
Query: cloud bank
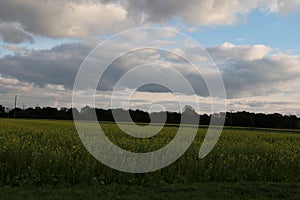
column 246, row 70
column 91, row 18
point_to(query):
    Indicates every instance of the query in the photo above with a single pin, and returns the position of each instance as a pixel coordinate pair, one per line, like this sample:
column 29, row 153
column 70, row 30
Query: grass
column 209, row 191
column 252, row 164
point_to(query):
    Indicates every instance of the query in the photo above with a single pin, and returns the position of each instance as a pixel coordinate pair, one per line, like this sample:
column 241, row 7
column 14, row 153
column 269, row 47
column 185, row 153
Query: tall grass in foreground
column 50, row 152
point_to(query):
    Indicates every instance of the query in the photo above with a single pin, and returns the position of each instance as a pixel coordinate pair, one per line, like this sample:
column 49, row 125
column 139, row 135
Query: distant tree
column 241, row 118
column 87, row 113
column 2, row 111
column 204, row 119
column 189, row 109
column 189, row 115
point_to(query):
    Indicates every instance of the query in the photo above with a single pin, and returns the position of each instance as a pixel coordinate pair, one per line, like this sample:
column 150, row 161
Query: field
column 39, row 154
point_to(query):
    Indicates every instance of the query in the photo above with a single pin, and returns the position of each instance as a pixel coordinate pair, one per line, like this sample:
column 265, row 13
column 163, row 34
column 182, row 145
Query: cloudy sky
column 255, row 45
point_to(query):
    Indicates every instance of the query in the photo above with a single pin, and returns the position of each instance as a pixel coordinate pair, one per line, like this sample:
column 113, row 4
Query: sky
column 254, row 45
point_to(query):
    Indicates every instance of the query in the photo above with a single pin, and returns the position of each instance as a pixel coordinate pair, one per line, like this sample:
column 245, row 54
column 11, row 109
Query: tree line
column 241, row 118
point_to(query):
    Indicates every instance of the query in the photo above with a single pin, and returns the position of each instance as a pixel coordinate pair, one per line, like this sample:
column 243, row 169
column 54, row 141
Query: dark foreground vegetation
column 205, row 191
column 241, row 118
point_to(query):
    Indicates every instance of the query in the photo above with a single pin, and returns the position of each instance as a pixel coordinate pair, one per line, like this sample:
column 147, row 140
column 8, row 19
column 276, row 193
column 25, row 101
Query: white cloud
column 208, row 12
column 89, row 18
column 29, row 95
column 228, row 51
column 56, row 18
column 8, row 81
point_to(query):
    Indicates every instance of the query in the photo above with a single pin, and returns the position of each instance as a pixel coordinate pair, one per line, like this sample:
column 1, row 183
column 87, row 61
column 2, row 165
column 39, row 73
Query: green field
column 39, row 154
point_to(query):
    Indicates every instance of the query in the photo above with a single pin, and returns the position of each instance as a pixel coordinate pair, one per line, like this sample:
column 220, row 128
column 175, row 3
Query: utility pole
column 15, row 113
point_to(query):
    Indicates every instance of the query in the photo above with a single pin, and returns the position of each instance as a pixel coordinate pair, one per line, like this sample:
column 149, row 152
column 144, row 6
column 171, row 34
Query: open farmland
column 41, row 152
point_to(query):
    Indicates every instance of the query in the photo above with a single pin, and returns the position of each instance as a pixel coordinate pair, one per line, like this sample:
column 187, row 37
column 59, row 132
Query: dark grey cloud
column 261, row 104
column 11, row 33
column 56, row 66
column 152, row 87
column 255, row 70
column 261, row 76
column 60, row 64
column 244, row 73
column 155, row 69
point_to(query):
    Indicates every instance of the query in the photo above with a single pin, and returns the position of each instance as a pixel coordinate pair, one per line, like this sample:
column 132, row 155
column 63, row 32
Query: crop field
column 41, row 152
